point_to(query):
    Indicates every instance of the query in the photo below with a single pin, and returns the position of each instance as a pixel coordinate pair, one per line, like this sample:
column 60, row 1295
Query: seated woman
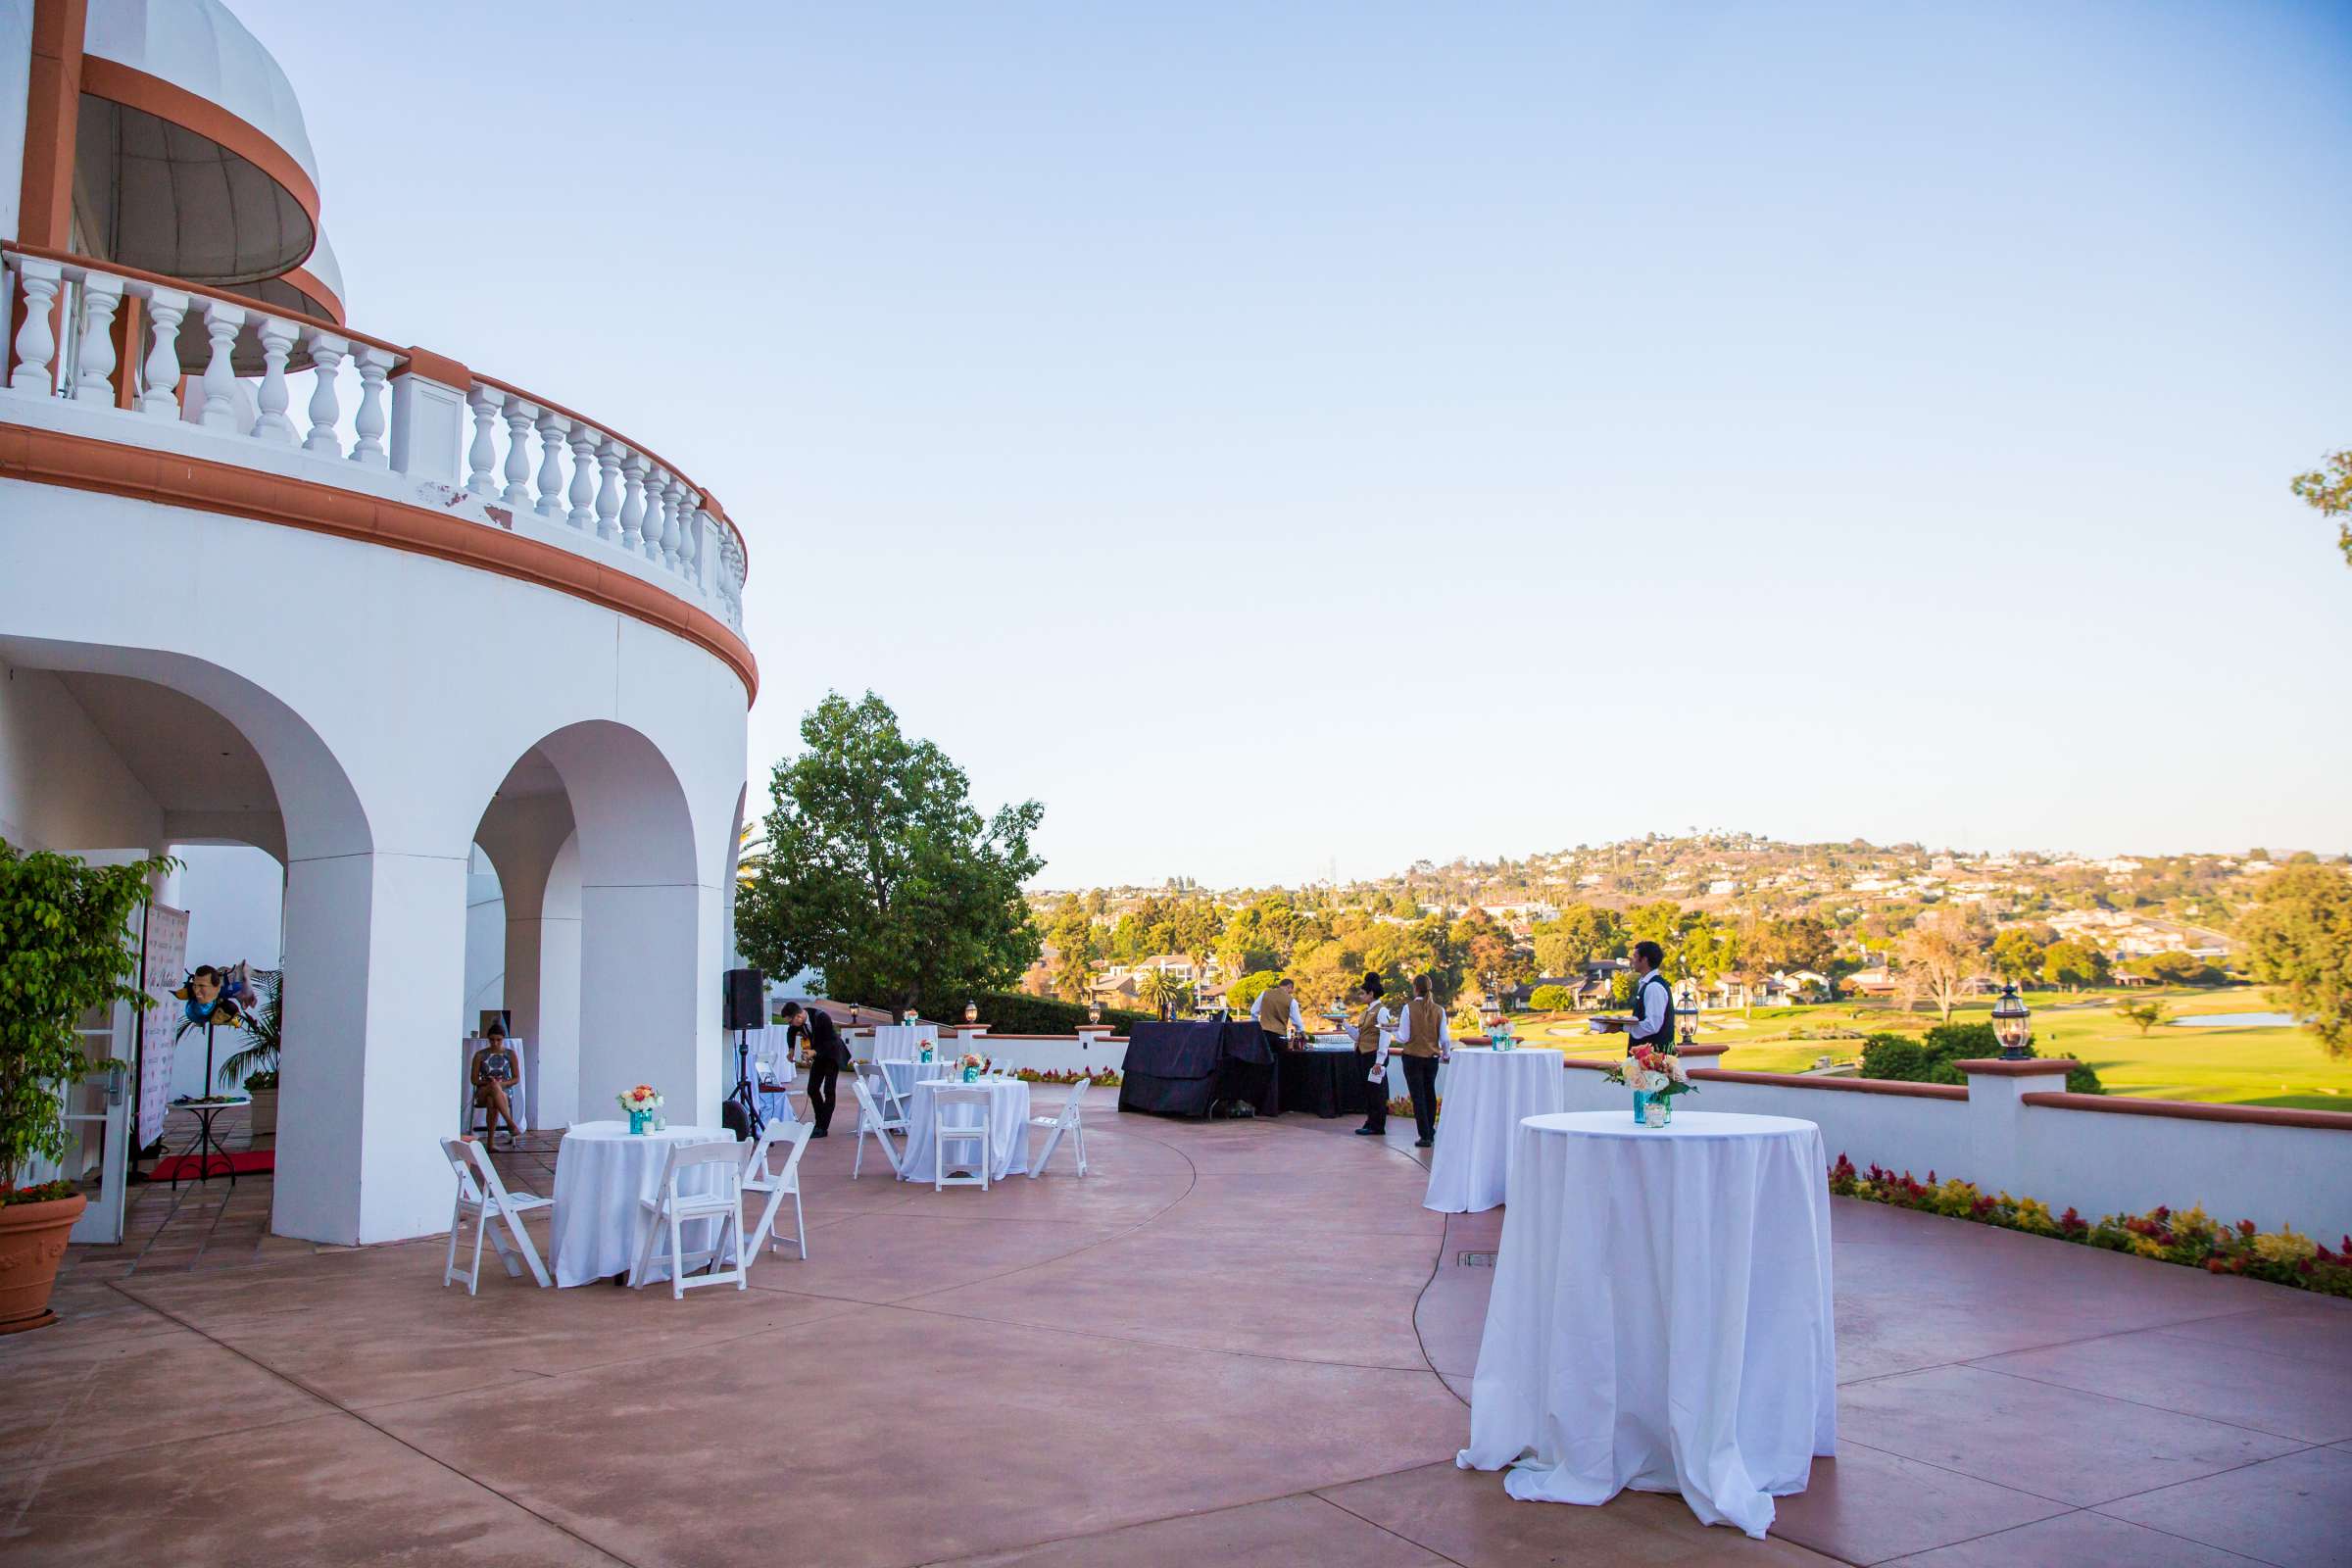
column 495, row 1066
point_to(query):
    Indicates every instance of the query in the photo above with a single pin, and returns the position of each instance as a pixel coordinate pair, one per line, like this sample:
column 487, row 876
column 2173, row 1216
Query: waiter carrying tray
column 1652, row 1020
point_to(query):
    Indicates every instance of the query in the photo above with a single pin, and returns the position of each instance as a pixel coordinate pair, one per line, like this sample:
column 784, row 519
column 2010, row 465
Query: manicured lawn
column 2258, row 1066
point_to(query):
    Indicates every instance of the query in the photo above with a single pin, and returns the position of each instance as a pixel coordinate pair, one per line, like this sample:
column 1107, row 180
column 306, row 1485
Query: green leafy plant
column 259, row 1059
column 1932, row 1058
column 62, row 953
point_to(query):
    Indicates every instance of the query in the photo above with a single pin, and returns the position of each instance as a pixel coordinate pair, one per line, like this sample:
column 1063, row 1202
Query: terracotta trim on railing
column 312, row 287
column 1851, row 1086
column 709, row 503
column 205, row 290
column 2029, row 1067
column 86, row 463
column 2334, row 1121
column 404, row 350
column 120, row 84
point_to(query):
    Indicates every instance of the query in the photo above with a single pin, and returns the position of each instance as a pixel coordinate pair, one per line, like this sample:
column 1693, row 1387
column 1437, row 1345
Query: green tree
column 1244, row 993
column 1550, row 999
column 1580, row 934
column 2328, row 490
column 2073, row 964
column 1169, row 994
column 1073, row 934
column 2175, row 969
column 881, row 873
column 62, row 952
column 2298, row 942
column 1941, row 954
column 2016, row 957
column 2146, row 1015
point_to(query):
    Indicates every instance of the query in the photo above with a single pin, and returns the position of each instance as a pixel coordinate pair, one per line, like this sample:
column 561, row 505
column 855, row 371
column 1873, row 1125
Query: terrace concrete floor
column 1239, row 1342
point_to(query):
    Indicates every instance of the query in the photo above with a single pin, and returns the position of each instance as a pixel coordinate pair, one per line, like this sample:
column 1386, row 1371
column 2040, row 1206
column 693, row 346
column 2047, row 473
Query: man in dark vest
column 830, row 1051
column 1652, row 1020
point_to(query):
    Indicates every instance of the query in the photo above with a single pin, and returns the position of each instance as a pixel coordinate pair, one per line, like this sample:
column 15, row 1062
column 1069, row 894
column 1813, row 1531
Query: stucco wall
column 62, row 787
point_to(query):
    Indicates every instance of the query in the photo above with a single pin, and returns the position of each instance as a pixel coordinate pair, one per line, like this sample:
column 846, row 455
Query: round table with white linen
column 602, row 1172
column 1008, row 1128
column 1661, row 1316
column 1488, row 1094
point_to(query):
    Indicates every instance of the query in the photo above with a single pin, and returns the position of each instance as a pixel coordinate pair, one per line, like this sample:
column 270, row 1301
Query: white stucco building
column 270, row 580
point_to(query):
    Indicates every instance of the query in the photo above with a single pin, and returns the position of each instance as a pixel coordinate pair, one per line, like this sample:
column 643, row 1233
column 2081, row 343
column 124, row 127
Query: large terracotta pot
column 33, row 1240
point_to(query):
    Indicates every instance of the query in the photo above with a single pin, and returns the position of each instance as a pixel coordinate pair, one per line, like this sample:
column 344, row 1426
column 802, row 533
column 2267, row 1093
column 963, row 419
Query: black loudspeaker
column 746, row 1000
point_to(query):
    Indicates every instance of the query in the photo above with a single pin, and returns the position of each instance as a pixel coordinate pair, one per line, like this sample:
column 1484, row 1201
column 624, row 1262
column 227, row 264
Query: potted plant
column 62, row 955
column 256, row 1066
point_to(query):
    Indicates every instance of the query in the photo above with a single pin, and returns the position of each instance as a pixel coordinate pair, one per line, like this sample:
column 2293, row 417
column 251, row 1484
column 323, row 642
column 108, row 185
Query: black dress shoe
column 1369, row 1132
column 820, row 1133
column 1425, row 1142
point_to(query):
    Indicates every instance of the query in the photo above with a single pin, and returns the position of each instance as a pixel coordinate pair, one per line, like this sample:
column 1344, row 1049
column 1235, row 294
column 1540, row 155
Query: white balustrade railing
column 595, row 492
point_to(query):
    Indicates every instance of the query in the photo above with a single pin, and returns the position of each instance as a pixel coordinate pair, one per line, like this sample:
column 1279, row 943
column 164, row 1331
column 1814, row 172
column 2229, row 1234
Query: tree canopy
column 2299, row 941
column 881, row 873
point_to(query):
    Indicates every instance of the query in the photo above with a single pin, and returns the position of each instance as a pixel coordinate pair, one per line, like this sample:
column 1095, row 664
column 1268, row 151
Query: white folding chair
column 480, row 1195
column 756, row 1178
column 871, row 1122
column 1066, row 1122
column 943, row 1133
column 673, row 1210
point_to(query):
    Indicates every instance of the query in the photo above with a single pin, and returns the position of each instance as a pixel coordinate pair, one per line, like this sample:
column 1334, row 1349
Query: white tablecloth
column 1488, row 1094
column 1661, row 1316
column 901, row 1041
column 602, row 1172
column 1007, row 1128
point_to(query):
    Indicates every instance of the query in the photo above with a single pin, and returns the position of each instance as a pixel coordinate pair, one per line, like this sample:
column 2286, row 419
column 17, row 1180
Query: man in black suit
column 830, row 1051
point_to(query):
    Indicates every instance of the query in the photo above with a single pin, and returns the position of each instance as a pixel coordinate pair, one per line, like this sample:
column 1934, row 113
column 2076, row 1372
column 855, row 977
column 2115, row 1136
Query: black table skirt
column 1326, row 1083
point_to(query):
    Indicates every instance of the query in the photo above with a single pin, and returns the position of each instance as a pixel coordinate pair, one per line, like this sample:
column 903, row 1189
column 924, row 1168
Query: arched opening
column 605, row 919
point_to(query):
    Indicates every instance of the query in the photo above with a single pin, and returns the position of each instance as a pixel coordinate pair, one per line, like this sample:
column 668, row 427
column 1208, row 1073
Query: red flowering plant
column 2187, row 1237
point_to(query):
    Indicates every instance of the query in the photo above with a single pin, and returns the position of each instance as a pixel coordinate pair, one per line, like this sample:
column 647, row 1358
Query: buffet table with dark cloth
column 1181, row 1069
column 1326, row 1083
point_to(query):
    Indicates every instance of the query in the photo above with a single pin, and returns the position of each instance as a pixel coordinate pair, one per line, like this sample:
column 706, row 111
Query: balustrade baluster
column 37, row 344
column 691, row 547
column 632, row 505
column 95, row 381
column 221, row 323
column 607, row 489
column 551, row 428
column 327, row 352
column 673, row 524
column 375, row 364
column 520, row 416
column 482, row 456
column 165, row 309
column 657, row 508
column 584, row 476
column 277, row 343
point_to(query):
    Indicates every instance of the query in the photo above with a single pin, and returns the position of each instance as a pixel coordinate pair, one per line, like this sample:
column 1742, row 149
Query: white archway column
column 531, row 840
column 375, row 965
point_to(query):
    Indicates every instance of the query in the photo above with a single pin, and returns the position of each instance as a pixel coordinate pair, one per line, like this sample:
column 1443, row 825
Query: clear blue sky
column 1279, row 435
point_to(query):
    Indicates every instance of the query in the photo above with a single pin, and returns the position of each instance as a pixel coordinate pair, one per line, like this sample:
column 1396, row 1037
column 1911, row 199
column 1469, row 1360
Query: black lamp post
column 1094, row 1010
column 971, row 1013
column 1686, row 1013
column 2009, row 1017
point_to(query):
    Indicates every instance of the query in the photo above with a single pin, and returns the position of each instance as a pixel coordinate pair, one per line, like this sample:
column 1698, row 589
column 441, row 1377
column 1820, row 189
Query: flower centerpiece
column 971, row 1061
column 1656, row 1078
column 640, row 1102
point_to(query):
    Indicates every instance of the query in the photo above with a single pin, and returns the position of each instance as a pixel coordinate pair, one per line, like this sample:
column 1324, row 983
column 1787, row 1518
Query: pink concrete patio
column 1239, row 1342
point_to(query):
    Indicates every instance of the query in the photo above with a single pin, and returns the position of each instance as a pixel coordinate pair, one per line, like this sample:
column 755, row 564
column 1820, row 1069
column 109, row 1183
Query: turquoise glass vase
column 637, row 1121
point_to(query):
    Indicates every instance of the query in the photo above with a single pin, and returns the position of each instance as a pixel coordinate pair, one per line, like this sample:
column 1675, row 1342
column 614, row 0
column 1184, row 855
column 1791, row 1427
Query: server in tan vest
column 1277, row 1014
column 1425, row 1039
column 1372, row 1026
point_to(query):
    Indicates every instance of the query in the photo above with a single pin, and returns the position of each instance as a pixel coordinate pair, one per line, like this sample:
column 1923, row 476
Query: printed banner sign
column 163, row 968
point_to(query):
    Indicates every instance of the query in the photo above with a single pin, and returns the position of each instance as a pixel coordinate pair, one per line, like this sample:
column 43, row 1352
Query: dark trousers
column 1421, row 1080
column 1377, row 1116
column 823, row 1088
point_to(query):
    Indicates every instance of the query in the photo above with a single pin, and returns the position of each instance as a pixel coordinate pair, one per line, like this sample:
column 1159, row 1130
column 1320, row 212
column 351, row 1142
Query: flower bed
column 2188, row 1236
column 1106, row 1078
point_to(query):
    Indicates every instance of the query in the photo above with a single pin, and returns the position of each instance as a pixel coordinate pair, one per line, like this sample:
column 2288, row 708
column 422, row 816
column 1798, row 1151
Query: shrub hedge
column 1930, row 1059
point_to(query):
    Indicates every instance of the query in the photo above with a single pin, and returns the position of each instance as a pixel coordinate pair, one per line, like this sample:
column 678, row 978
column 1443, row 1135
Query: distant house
column 1871, row 982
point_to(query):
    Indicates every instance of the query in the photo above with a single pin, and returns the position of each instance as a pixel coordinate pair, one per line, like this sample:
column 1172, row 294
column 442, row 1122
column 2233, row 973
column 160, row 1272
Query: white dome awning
column 191, row 157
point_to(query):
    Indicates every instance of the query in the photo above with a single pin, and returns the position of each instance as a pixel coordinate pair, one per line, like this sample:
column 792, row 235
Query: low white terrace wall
column 2015, row 1129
